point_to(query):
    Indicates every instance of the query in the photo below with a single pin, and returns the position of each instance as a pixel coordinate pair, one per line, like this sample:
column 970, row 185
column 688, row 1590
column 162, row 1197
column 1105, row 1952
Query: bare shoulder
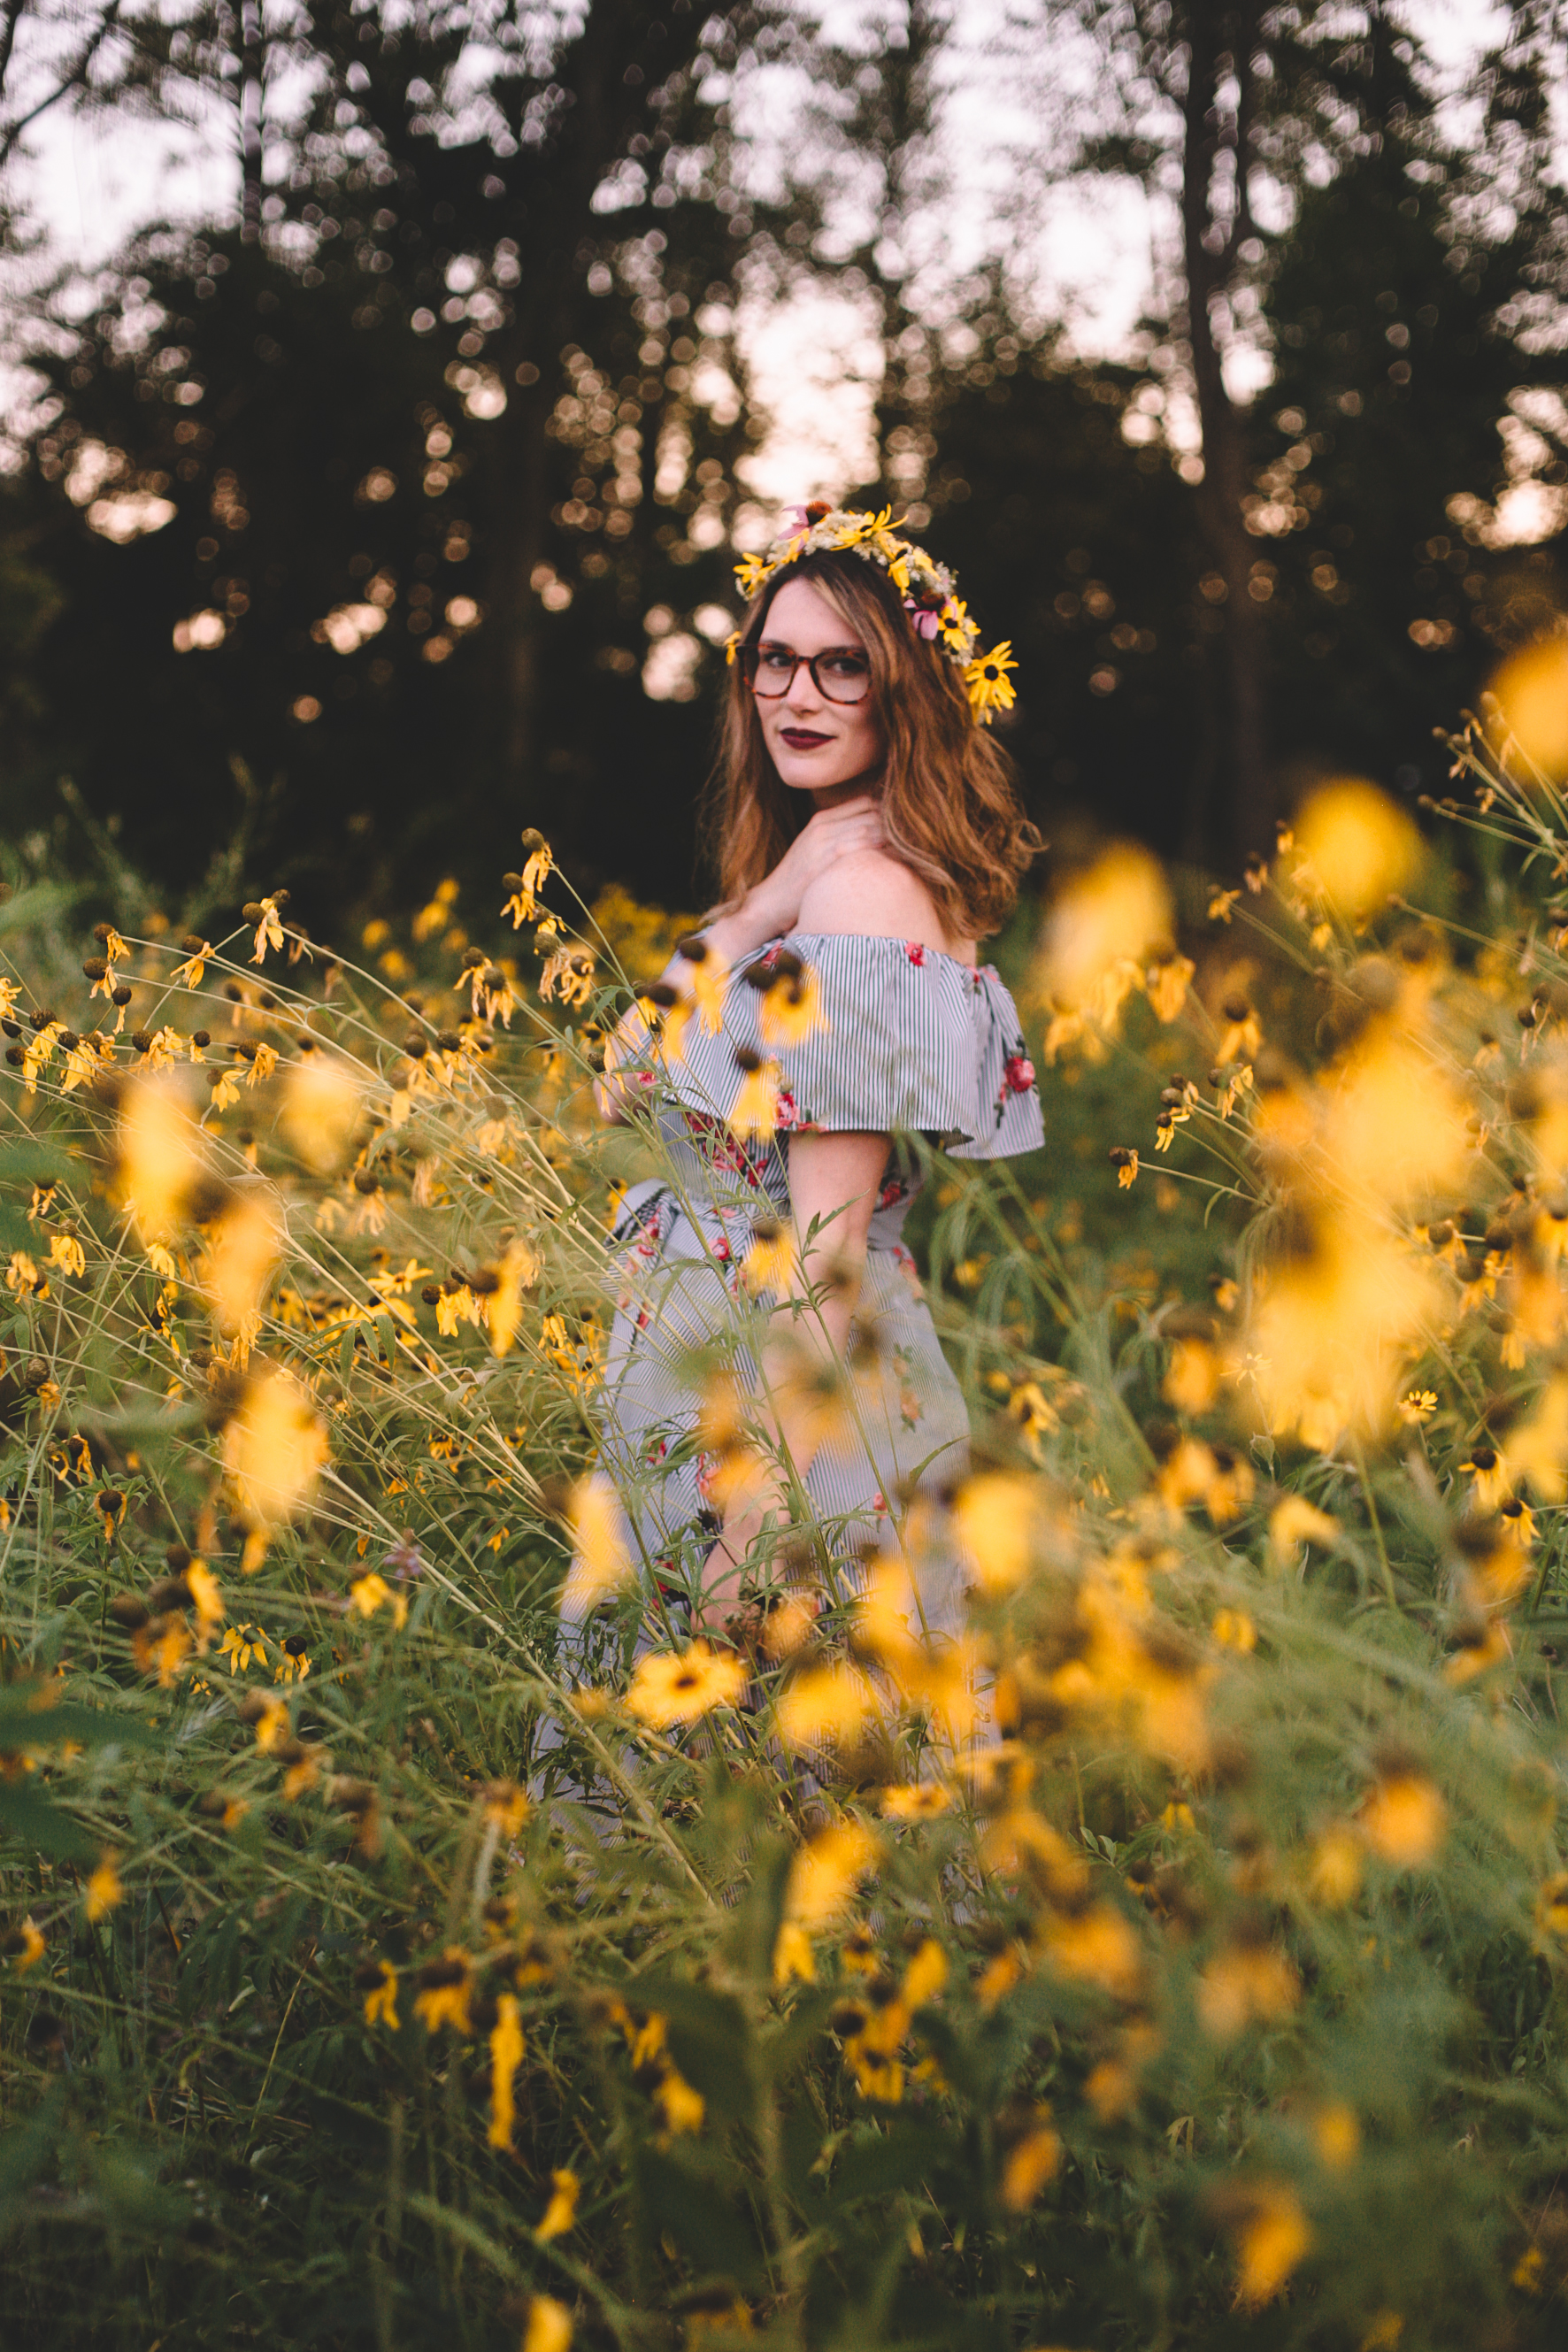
column 868, row 891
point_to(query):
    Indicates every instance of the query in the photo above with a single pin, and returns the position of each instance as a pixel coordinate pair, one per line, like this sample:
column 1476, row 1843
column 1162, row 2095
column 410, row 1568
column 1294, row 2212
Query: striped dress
column 903, row 1041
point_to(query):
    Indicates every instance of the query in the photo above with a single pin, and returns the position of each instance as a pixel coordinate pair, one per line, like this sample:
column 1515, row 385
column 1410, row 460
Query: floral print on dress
column 1017, row 1074
column 718, row 1147
column 915, row 951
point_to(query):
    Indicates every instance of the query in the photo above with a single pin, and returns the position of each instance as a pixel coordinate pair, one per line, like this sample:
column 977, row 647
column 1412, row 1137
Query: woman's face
column 815, row 742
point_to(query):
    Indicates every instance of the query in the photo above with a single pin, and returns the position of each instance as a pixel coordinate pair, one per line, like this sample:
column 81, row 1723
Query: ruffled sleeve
column 885, row 1036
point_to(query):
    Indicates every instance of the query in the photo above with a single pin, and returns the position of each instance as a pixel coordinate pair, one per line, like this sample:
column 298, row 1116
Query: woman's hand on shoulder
column 774, row 906
column 868, row 891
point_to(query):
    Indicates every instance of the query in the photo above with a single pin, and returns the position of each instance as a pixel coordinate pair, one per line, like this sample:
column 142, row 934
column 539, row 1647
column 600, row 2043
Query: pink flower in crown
column 925, row 623
column 797, row 518
column 1018, row 1074
column 915, row 952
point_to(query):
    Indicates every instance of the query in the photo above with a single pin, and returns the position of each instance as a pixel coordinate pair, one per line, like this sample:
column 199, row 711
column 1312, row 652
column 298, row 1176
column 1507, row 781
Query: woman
column 829, row 1014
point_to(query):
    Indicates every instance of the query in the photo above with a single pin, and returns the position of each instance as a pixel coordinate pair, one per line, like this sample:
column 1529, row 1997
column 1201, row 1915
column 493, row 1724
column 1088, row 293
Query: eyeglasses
column 839, row 675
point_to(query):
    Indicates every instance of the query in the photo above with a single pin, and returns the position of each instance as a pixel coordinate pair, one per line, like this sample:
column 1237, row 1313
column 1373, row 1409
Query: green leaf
column 710, row 2040
column 29, row 1816
column 901, row 2158
column 31, row 1161
column 683, row 2199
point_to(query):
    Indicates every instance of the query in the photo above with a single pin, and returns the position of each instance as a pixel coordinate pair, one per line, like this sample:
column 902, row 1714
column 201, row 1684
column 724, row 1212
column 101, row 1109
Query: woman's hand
column 773, row 905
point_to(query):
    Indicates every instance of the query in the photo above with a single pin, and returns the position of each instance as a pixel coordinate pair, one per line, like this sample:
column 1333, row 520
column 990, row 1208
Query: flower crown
column 937, row 611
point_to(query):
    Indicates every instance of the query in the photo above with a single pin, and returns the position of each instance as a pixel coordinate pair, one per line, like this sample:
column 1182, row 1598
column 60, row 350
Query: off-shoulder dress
column 908, row 1043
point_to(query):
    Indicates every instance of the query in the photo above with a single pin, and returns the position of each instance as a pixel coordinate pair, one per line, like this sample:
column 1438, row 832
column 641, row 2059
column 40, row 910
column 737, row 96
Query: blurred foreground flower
column 826, row 1873
column 670, row 1689
column 600, row 1559
column 274, row 1448
column 1102, row 922
column 1359, row 845
column 1331, row 1336
column 1532, row 690
column 1272, row 2236
column 322, row 1104
column 157, row 1155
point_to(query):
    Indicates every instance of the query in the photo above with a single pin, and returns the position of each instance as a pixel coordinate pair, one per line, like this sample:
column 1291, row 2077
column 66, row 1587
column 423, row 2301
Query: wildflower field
column 1177, row 1960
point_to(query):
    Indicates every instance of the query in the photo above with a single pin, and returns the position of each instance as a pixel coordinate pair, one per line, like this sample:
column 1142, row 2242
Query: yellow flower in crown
column 990, row 688
column 938, row 615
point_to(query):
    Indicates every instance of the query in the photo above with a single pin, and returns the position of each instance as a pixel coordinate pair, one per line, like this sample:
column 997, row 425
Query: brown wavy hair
column 950, row 806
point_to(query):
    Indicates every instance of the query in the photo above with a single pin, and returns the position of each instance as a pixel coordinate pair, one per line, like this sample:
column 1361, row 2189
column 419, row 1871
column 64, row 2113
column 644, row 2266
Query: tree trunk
column 1220, row 499
column 251, row 61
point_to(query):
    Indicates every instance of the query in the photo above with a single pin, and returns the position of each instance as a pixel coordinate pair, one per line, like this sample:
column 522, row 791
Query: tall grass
column 1176, row 1960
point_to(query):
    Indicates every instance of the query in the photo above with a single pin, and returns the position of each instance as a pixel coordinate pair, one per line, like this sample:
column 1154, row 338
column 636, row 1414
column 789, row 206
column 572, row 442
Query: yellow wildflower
column 676, row 1688
column 199, row 954
column 28, row 1946
column 381, row 1995
column 506, row 2057
column 104, row 1891
column 755, row 1111
column 23, row 1277
column 1125, row 1163
column 271, row 1725
column 1337, row 2134
column 207, row 1594
column 826, row 1872
column 793, row 1955
column 706, row 977
column 996, row 1518
column 918, row 1802
column 1244, row 1982
column 770, row 1261
column 987, row 684
column 1220, row 905
column 66, row 1253
column 1405, row 1820
column 240, row 1645
column 265, row 915
column 370, row 1592
column 561, row 2214
column 829, row 1704
column 547, row 2326
column 1294, row 1522
column 445, row 1988
column 790, row 1006
column 1272, row 2241
column 681, row 2107
column 1030, row 2163
column 600, row 1559
column 506, row 1806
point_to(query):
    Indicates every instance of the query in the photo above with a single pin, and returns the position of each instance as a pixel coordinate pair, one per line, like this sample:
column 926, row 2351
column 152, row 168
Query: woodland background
column 355, row 532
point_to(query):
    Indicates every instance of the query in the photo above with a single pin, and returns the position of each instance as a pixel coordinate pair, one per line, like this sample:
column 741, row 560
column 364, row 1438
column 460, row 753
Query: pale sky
column 88, row 181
